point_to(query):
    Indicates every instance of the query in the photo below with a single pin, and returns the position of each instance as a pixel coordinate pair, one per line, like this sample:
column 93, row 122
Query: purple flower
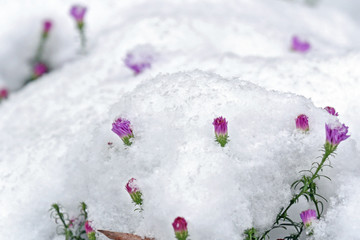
column 180, row 228
column 138, row 64
column 133, row 189
column 123, row 129
column 220, row 125
column 47, row 26
column 39, row 69
column 89, row 231
column 221, row 131
column 302, row 123
column 334, row 135
column 308, row 216
column 331, row 110
column 4, row 93
column 78, row 13
column 299, row 46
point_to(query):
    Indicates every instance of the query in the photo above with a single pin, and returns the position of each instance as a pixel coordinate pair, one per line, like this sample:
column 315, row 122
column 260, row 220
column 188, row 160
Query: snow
column 213, row 58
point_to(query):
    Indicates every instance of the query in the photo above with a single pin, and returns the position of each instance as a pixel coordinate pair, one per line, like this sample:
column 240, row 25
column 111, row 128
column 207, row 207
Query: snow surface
column 213, row 58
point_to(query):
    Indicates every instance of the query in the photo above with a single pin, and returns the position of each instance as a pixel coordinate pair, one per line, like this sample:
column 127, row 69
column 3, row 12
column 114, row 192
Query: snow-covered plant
column 299, row 46
column 302, row 123
column 331, row 110
column 139, row 60
column 78, row 13
column 122, row 128
column 89, row 231
column 221, row 130
column 335, row 134
column 47, row 25
column 180, row 228
column 133, row 189
column 74, row 228
column 4, row 93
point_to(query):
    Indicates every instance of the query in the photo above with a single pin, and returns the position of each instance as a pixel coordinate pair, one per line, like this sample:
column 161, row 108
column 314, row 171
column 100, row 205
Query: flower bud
column 89, row 231
column 47, row 27
column 4, row 93
column 221, row 131
column 39, row 69
column 308, row 217
column 331, row 110
column 122, row 128
column 78, row 12
column 299, row 46
column 302, row 123
column 134, row 192
column 180, row 228
column 334, row 135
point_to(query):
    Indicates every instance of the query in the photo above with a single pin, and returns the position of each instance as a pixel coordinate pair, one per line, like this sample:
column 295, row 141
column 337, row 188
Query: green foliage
column 307, row 188
column 72, row 229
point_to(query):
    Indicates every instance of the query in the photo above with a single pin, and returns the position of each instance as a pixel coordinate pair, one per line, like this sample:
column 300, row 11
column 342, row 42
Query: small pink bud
column 302, row 123
column 308, row 217
column 4, row 93
column 88, row 228
column 331, row 110
column 40, row 69
column 134, row 191
column 131, row 186
column 180, row 228
column 47, row 26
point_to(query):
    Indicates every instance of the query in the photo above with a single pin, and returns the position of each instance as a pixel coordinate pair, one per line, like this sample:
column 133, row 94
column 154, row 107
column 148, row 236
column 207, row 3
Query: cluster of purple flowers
column 335, row 133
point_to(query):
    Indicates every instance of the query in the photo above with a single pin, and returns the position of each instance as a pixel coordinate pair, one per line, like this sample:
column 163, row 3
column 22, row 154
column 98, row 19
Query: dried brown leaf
column 122, row 236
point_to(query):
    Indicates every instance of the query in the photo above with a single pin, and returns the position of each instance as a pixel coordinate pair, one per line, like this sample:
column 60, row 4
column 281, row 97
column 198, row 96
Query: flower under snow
column 39, row 69
column 78, row 13
column 122, row 128
column 335, row 134
column 3, row 93
column 89, row 231
column 308, row 217
column 138, row 65
column 180, row 228
column 331, row 110
column 302, row 123
column 221, row 130
column 134, row 191
column 299, row 46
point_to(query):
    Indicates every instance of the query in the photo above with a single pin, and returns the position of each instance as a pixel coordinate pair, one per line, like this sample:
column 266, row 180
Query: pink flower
column 300, row 46
column 88, row 228
column 308, row 217
column 221, row 130
column 3, row 93
column 133, row 189
column 331, row 110
column 131, row 186
column 302, row 123
column 40, row 69
column 89, row 231
column 78, row 13
column 47, row 26
column 180, row 228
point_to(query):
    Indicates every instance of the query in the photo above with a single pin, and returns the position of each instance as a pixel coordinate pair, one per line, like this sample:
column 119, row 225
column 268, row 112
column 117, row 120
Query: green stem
column 283, row 214
column 40, row 48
